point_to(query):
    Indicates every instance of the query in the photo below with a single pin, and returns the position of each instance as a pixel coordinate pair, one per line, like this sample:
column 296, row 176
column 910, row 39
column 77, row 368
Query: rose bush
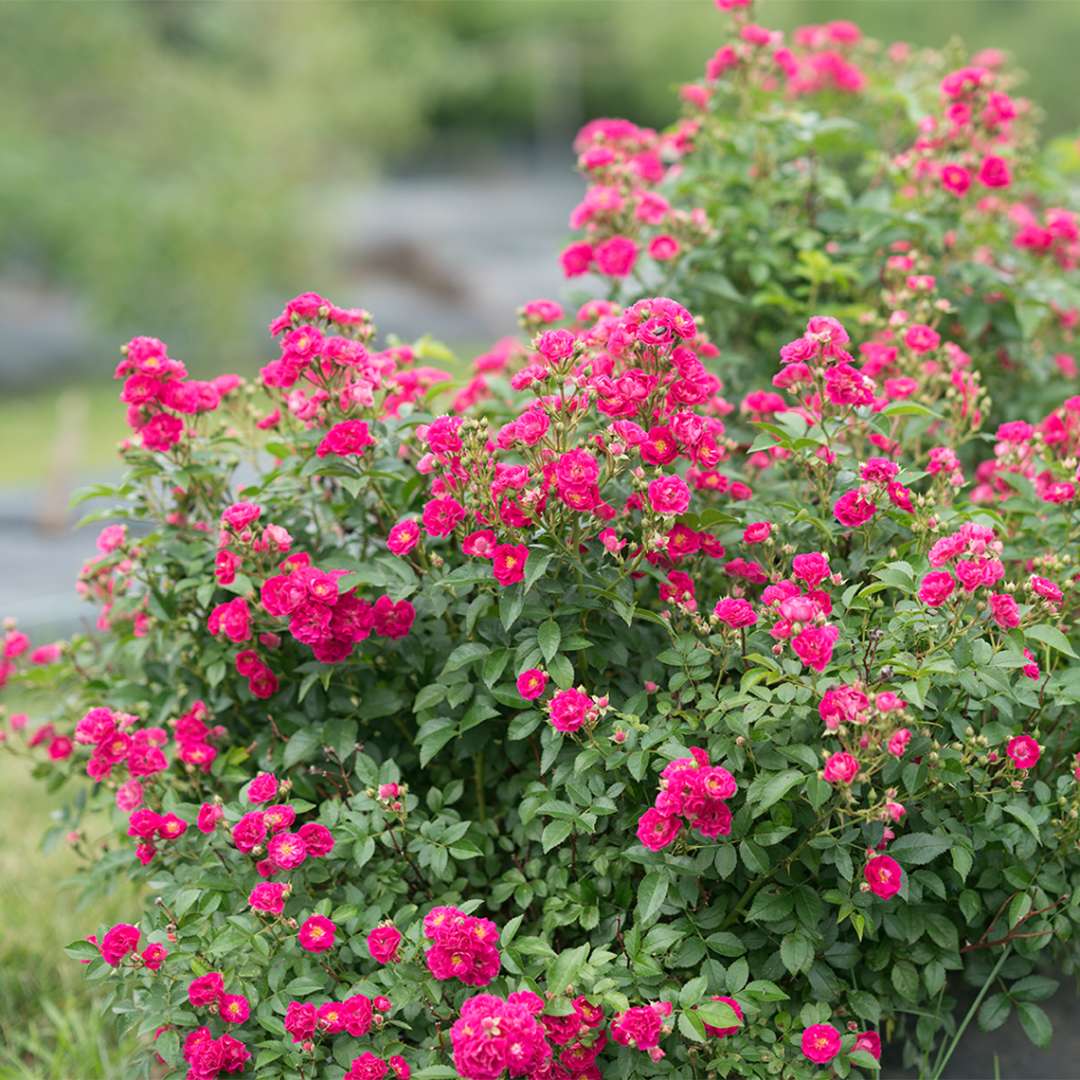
column 580, row 721
column 828, row 171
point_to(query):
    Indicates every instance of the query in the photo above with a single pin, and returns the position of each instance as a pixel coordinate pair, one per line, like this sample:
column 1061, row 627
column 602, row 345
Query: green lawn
column 89, row 416
column 50, row 1026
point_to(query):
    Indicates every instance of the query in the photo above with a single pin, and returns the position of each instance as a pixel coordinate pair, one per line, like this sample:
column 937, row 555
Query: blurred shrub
column 159, row 159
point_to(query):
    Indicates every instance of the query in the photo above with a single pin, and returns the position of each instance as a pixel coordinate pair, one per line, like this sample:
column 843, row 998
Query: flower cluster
column 464, row 947
column 493, row 1037
column 354, row 1016
column 628, row 546
column 158, row 393
column 208, row 1057
column 690, row 788
column 326, row 618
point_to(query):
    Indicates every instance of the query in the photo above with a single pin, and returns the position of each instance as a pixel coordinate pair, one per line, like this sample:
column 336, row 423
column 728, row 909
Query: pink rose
column 1023, row 751
column 656, row 830
column 840, row 768
column 316, row 934
column 898, row 742
column 669, row 495
column 209, row 815
column 870, row 1041
column 508, row 563
column 757, row 532
column 269, row 897
column 568, row 709
column 383, row 944
column 821, row 1043
column 936, row 587
column 118, row 942
column 1004, row 611
column 812, row 567
column 206, row 989
column 735, row 612
column 994, row 172
column 616, row 257
column 814, row 645
column 531, row 684
column 262, row 789
column 403, row 537
column 884, row 876
column 852, row 510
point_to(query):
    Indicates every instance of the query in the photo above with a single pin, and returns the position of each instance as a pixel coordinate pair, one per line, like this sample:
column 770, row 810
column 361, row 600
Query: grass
column 65, row 434
column 51, row 1028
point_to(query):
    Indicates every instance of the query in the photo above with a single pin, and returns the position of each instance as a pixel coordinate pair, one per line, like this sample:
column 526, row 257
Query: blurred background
column 179, row 168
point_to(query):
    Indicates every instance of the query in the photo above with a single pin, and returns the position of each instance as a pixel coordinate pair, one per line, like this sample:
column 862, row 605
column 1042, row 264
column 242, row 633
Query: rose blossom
column 884, row 875
column 1023, row 751
column 840, row 768
column 508, row 563
column 383, row 943
column 936, row 587
column 531, row 684
column 735, row 612
column 568, row 709
column 669, row 495
column 118, row 942
column 262, row 789
column 403, row 537
column 269, row 897
column 821, row 1043
column 656, row 830
column 316, row 934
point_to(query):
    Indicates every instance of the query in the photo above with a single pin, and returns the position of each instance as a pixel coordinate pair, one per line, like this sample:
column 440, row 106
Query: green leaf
column 737, row 973
column 431, row 744
column 692, row 1026
column 693, row 991
column 184, row 901
column 511, row 601
column 494, row 666
column 763, row 989
column 562, row 672
column 994, row 1011
column 1019, row 906
column 767, row 792
column 564, row 970
column 962, row 861
column 363, row 851
column 465, row 654
column 535, row 568
column 797, row 953
column 1052, row 636
column 942, row 932
column 301, row 746
column 523, row 725
column 718, row 1014
column 1021, row 813
column 906, row 980
column 651, row 895
column 915, row 849
column 83, row 950
column 548, row 637
column 1035, row 1022
column 555, row 832
column 1034, row 988
column 864, row 1059
column 865, row 1005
